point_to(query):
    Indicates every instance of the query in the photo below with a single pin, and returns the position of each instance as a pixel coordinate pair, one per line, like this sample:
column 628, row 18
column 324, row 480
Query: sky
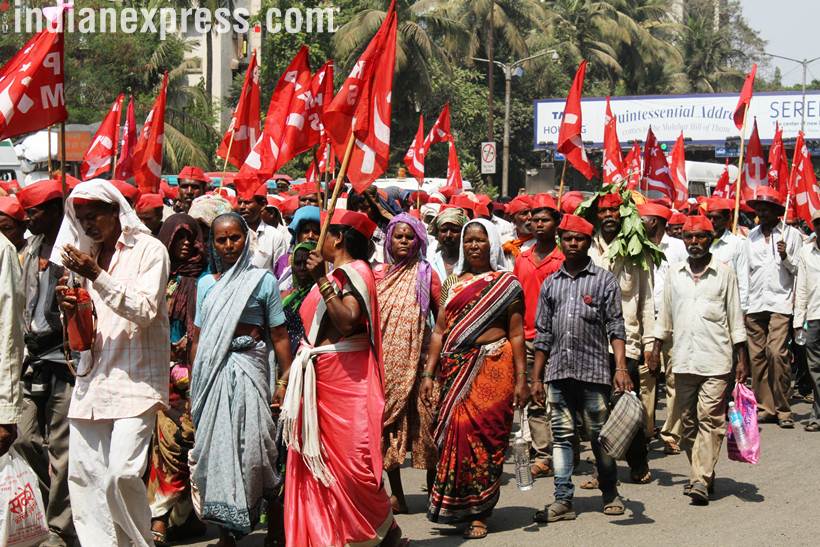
column 790, row 27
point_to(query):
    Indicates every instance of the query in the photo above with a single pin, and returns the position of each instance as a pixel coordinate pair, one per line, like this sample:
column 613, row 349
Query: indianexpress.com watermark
column 172, row 21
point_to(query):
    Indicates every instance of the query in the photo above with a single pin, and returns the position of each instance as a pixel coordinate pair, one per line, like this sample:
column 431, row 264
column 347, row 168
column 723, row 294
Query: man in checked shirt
column 579, row 316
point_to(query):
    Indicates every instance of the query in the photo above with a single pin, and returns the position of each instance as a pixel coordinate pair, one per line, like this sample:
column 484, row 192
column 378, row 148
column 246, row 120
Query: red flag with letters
column 806, row 196
column 125, row 163
column 754, row 169
column 745, row 98
column 569, row 135
column 148, row 151
column 724, row 188
column 363, row 107
column 305, row 128
column 677, row 170
column 414, row 158
column 633, row 166
column 778, row 162
column 656, row 170
column 100, row 154
column 284, row 120
column 614, row 171
column 440, row 132
column 31, row 86
column 245, row 119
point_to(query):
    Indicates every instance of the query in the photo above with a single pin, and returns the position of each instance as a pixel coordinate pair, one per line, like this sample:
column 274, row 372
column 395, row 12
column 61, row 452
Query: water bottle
column 736, row 420
column 800, row 338
column 521, row 454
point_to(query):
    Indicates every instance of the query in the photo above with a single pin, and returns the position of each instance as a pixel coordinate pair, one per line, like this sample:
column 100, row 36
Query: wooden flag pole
column 331, row 208
column 561, row 186
column 227, row 155
column 323, row 203
column 739, row 172
column 62, row 159
column 316, row 169
column 50, row 167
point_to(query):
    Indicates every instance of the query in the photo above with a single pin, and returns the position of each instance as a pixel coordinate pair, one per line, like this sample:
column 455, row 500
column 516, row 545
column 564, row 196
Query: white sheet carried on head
column 71, row 233
column 497, row 260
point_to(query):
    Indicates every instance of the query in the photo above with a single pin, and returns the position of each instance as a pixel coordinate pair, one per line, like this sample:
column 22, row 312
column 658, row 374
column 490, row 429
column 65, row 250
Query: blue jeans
column 568, row 398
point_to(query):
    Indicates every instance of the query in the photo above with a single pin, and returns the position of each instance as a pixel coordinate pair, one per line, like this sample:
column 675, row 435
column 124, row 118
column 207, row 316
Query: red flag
column 100, row 154
column 677, row 170
column 363, row 107
column 305, row 128
column 745, row 98
column 454, row 180
column 569, row 135
column 148, row 151
column 803, row 182
column 613, row 162
column 125, row 164
column 31, row 86
column 414, row 158
column 778, row 163
column 724, row 188
column 245, row 120
column 274, row 147
column 655, row 168
column 440, row 132
column 633, row 166
column 754, row 168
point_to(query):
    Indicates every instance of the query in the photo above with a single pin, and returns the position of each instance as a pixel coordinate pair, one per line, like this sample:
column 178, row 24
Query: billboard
column 704, row 118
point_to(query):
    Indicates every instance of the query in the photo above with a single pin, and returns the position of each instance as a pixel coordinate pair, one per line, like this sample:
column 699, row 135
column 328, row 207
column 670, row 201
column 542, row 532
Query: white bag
column 22, row 512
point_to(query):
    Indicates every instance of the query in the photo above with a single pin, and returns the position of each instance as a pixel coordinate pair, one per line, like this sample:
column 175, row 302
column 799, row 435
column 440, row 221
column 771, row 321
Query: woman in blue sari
column 239, row 321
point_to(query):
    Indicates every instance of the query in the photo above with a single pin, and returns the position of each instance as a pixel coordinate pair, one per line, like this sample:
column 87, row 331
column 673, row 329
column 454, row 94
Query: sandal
column 812, row 427
column 639, row 478
column 558, row 510
column 540, row 469
column 614, row 507
column 475, row 531
column 786, row 423
column 590, row 484
column 160, row 538
column 671, row 448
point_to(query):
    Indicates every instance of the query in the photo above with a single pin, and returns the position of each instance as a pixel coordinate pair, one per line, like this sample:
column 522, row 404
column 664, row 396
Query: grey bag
column 622, row 425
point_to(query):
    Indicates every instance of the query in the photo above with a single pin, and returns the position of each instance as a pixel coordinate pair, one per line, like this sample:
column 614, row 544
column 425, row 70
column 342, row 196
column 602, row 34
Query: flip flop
column 615, row 507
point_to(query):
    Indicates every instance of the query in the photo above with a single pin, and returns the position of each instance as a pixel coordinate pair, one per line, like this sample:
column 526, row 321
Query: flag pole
column 327, row 171
column 228, row 154
column 561, row 186
column 62, row 160
column 316, row 168
column 50, row 167
column 739, row 171
column 331, row 208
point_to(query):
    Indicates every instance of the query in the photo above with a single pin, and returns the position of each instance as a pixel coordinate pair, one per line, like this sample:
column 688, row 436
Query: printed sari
column 475, row 412
column 332, row 421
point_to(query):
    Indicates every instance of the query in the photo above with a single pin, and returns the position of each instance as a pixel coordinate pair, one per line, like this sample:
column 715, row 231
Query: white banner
column 706, row 119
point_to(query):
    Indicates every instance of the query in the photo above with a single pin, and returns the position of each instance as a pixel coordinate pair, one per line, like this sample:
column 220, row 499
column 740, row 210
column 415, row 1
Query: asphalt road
column 773, row 503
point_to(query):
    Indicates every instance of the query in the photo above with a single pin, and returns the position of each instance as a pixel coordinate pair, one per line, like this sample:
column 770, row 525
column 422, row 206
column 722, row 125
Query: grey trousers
column 538, row 419
column 42, row 439
column 813, row 360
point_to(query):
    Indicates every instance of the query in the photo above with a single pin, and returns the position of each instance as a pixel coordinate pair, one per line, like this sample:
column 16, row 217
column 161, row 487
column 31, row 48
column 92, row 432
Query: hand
column 653, row 360
column 80, row 263
column 781, row 249
column 179, row 350
column 741, row 371
column 67, row 303
column 8, row 433
column 622, row 382
column 538, row 393
column 315, row 265
column 521, row 395
column 426, row 392
column 278, row 397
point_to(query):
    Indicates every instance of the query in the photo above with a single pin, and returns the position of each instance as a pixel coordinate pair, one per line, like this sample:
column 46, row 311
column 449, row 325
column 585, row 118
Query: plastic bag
column 22, row 512
column 746, row 403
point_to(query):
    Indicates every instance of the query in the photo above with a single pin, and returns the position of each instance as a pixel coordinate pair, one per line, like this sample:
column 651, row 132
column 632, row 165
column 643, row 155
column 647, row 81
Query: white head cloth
column 71, row 233
column 496, row 252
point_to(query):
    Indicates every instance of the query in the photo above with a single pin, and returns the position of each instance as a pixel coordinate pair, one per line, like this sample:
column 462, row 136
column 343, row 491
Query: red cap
column 446, row 191
column 289, row 205
column 274, row 201
column 148, row 202
column 543, row 201
column 574, row 223
column 719, row 204
column 9, row 206
column 434, row 199
column 518, row 204
column 654, row 210
column 418, row 196
column 168, row 191
column 666, row 202
column 483, row 199
column 262, row 190
column 610, row 200
column 499, row 207
column 570, row 201
column 464, row 202
column 766, row 194
column 129, row 191
column 189, row 172
column 698, row 223
column 39, row 193
column 481, row 210
column 306, row 189
column 358, row 221
column 676, row 219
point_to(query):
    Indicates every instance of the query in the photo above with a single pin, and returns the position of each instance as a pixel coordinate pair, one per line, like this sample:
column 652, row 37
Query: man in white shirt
column 701, row 306
column 728, row 247
column 807, row 313
column 123, row 379
column 267, row 243
column 771, row 250
column 11, row 342
column 654, row 217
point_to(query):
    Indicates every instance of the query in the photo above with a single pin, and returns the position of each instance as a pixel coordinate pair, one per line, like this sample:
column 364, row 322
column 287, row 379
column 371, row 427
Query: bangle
column 522, row 374
column 425, row 374
column 536, row 381
column 621, row 370
column 325, row 285
column 282, row 383
column 332, row 296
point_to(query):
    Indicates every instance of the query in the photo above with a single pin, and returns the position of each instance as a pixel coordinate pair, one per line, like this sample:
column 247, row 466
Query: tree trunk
column 209, row 61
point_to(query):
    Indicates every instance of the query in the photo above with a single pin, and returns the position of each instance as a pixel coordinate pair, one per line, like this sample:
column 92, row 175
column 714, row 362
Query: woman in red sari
column 334, row 403
column 478, row 350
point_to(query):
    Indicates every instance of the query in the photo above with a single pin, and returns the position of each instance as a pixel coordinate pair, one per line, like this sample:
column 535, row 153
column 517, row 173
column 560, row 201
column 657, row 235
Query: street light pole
column 805, row 64
column 508, row 69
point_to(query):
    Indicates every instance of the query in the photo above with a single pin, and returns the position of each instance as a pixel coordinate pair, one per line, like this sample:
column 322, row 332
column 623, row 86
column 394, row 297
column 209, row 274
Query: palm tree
column 707, row 50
